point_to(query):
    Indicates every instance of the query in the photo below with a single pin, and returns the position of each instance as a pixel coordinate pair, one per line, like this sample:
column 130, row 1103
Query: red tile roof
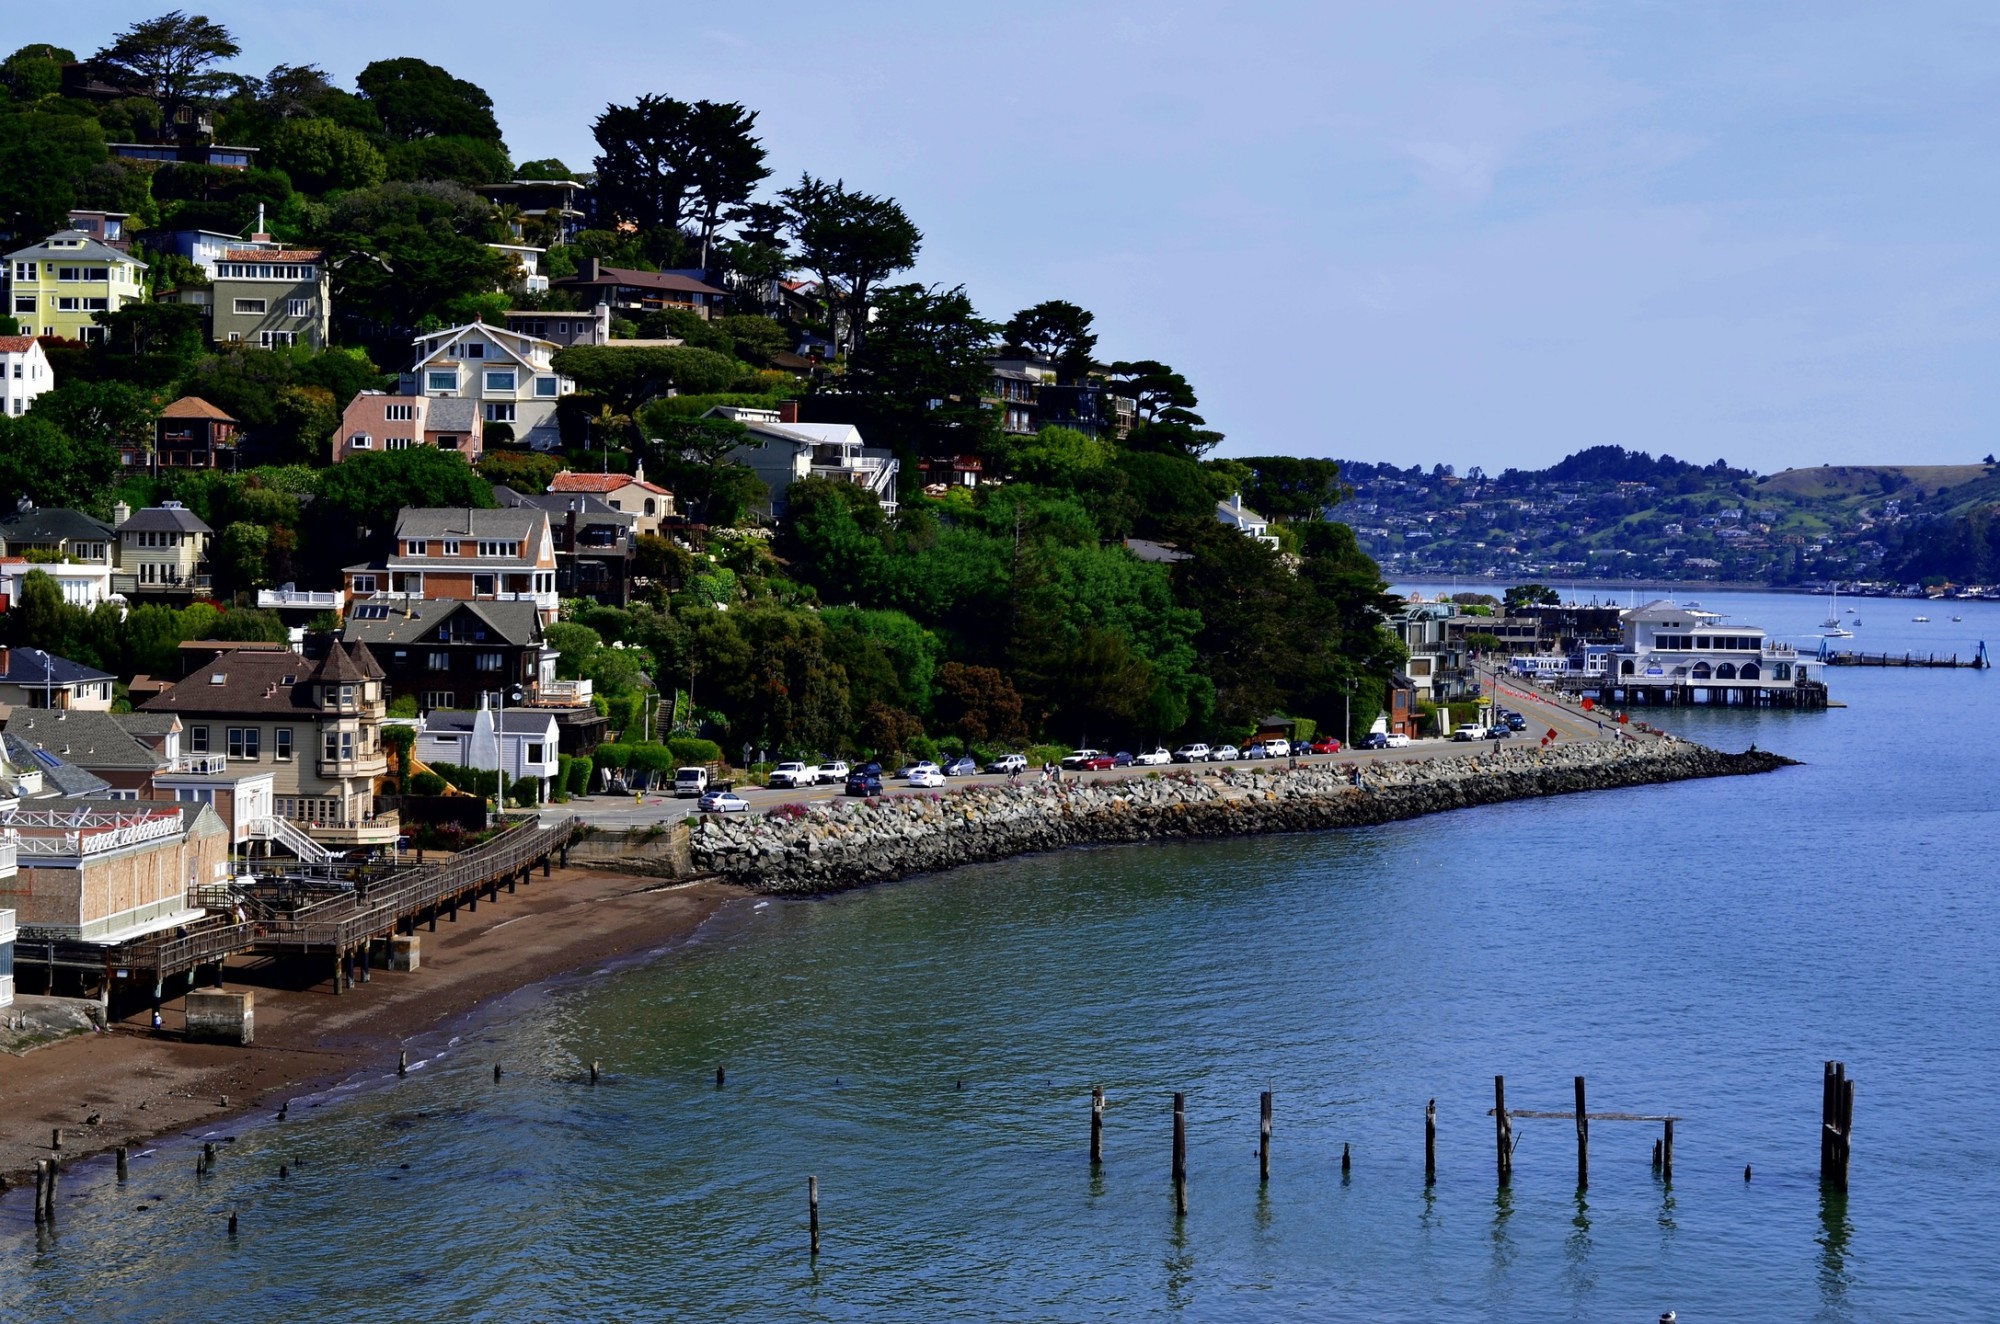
column 600, row 483
column 15, row 344
column 272, row 255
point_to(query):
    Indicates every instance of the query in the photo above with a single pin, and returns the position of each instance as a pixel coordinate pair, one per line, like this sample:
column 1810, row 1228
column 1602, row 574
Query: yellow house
column 55, row 287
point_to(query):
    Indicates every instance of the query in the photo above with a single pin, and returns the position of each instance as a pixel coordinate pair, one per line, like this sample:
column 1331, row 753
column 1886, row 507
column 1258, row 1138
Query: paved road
column 1544, row 712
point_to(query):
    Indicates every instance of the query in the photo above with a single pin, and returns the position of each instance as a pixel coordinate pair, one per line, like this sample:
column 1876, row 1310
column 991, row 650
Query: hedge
column 692, row 751
column 578, row 778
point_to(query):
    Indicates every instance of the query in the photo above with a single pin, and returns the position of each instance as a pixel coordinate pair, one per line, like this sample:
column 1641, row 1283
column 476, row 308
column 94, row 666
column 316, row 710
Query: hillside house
column 521, row 741
column 162, row 551
column 374, row 421
column 446, row 653
column 108, row 873
column 35, row 678
column 71, row 547
column 781, row 451
column 594, row 544
column 563, row 328
column 508, row 375
column 633, row 294
column 190, row 433
column 648, row 503
column 271, row 297
column 58, row 286
column 25, row 374
column 465, row 556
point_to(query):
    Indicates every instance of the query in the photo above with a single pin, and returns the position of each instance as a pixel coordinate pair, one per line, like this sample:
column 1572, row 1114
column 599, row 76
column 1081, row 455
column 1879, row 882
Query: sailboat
column 1831, row 626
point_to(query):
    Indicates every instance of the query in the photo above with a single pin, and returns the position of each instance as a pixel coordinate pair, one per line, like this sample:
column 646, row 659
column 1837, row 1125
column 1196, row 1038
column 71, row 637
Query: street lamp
column 500, row 740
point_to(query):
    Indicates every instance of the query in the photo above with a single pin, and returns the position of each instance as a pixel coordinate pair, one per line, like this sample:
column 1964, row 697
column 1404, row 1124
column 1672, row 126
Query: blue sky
column 1473, row 233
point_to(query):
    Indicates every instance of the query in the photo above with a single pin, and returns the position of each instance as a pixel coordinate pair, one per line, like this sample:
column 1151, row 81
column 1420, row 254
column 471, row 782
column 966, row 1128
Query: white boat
column 1855, row 621
column 1832, row 622
column 1958, row 618
column 1836, row 632
column 1921, row 620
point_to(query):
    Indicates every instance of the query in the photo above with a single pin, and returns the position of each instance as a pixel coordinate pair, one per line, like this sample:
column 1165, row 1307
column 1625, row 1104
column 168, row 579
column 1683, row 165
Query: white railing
column 562, row 694
column 205, row 765
column 9, row 865
column 73, row 834
column 286, row 834
column 320, row 599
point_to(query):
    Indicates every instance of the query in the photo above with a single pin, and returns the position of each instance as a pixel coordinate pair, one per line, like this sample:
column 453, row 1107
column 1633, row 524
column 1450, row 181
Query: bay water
column 927, row 1050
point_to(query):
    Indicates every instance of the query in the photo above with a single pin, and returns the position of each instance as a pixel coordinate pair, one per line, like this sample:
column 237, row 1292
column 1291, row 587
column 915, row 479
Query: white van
column 690, row 781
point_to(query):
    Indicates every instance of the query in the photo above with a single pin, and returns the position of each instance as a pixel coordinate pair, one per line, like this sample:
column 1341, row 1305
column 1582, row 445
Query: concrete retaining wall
column 831, row 845
column 221, row 1018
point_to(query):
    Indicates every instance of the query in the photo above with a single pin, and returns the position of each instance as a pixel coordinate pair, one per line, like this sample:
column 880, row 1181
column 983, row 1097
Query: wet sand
column 140, row 1085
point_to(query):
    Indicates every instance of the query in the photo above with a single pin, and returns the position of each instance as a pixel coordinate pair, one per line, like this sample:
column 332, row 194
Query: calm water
column 1697, row 949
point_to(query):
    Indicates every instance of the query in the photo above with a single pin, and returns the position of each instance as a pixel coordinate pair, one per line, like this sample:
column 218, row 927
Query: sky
column 1429, row 231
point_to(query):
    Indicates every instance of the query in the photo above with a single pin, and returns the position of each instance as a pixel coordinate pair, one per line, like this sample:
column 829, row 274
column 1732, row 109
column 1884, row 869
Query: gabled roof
column 559, row 504
column 460, row 522
column 646, row 280
column 164, row 519
column 450, row 414
column 91, row 249
column 405, row 623
column 514, row 721
column 602, row 484
column 364, row 662
column 33, row 666
column 499, row 335
column 253, row 681
column 193, row 406
column 88, row 739
column 16, row 344
column 54, row 525
column 58, row 774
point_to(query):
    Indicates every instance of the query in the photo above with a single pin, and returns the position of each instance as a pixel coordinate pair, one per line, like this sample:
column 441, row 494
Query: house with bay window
column 271, row 296
column 506, row 374
column 465, row 556
column 57, row 287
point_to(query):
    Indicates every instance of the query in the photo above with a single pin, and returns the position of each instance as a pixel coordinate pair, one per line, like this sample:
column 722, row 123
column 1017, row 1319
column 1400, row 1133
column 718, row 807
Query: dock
column 1979, row 661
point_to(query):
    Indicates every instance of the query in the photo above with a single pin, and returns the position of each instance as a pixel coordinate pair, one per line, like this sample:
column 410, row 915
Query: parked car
column 1256, row 749
column 1515, row 722
column 1375, row 740
column 690, row 781
column 1195, row 753
column 927, row 775
column 1278, row 749
column 1397, row 740
column 723, row 802
column 792, row 776
column 1122, row 759
column 1224, row 754
column 1153, row 757
column 1076, row 760
column 1499, row 731
column 834, row 773
column 1008, row 764
column 1099, row 762
column 1325, row 745
column 1469, row 731
column 960, row 767
column 909, row 768
column 864, row 781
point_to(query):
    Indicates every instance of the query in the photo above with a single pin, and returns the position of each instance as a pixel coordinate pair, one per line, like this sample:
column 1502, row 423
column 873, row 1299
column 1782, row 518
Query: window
column 414, row 547
column 24, row 270
column 364, row 583
column 499, row 413
column 447, row 443
column 298, row 307
column 197, row 740
column 359, row 441
column 440, row 698
column 396, row 444
column 338, row 747
column 495, row 549
column 281, row 744
column 451, row 547
column 441, row 381
column 534, row 751
column 438, row 660
column 489, row 661
column 500, row 379
column 270, row 338
column 83, row 273
column 24, row 303
column 483, row 586
column 398, row 413
column 475, row 349
column 545, row 388
column 243, row 742
column 235, row 335
column 250, row 305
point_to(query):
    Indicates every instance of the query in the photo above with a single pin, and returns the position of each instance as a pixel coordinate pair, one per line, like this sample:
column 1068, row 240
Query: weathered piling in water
column 1503, row 1131
column 123, row 1167
column 1582, row 1139
column 1264, row 1137
column 812, row 1212
column 1667, row 1152
column 1180, row 1153
column 41, row 1190
column 496, row 1073
column 593, row 1071
column 1836, row 1124
column 403, row 1062
column 719, row 1077
column 1431, row 1143
column 1097, row 1126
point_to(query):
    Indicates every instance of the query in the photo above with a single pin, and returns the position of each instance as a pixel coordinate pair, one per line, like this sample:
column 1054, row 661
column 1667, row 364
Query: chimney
column 788, row 411
column 602, row 316
column 6, row 659
column 586, row 271
column 260, row 236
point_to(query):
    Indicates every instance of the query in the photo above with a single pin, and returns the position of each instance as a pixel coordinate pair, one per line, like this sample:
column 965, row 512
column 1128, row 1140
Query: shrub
column 611, row 755
column 691, row 751
column 651, row 758
column 578, row 778
column 427, row 783
column 1040, row 754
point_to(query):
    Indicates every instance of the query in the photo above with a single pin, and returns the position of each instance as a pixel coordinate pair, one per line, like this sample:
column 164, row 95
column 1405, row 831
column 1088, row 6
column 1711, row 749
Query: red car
column 1100, row 763
column 1325, row 745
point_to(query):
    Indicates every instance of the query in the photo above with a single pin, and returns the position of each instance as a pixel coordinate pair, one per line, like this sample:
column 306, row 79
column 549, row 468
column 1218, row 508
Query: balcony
column 381, row 830
column 9, row 856
column 560, row 694
column 198, row 765
column 132, row 585
column 274, row 599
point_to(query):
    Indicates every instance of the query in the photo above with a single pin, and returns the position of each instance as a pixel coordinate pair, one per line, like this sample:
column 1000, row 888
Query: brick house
column 374, row 421
column 466, row 556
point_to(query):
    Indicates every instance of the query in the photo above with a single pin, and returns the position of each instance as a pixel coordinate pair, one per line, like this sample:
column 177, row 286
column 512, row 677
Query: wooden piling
column 41, row 1190
column 1845, row 1142
column 1656, row 1156
column 1827, row 1091
column 1346, row 1159
column 232, row 1222
column 402, row 1061
column 1667, row 1152
column 1582, row 1139
column 49, row 1199
column 55, row 1140
column 1097, row 1126
column 812, row 1212
column 719, row 1077
column 496, row 1072
column 284, row 1171
column 1264, row 1137
column 124, row 1169
column 1180, row 1153
column 593, row 1071
column 1503, row 1132
column 1431, row 1143
column 208, row 1155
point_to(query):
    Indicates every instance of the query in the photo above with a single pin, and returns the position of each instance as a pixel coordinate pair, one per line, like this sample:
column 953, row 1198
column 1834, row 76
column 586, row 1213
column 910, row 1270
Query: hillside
column 1869, row 480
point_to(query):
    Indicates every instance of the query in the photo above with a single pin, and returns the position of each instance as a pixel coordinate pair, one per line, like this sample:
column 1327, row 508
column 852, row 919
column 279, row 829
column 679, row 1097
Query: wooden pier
column 1979, row 661
column 1682, row 692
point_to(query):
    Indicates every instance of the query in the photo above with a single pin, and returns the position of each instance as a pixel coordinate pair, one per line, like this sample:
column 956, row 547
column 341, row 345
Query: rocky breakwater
column 836, row 844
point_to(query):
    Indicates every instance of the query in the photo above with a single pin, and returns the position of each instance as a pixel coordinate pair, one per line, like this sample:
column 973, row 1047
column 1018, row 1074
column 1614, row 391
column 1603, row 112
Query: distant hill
column 1837, row 481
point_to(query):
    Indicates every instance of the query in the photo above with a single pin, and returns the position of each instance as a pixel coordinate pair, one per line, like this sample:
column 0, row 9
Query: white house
column 507, row 373
column 1245, row 520
column 1665, row 642
column 24, row 374
column 781, row 451
column 477, row 739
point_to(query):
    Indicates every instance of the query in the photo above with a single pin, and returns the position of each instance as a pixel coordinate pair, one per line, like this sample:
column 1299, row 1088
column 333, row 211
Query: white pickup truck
column 794, row 776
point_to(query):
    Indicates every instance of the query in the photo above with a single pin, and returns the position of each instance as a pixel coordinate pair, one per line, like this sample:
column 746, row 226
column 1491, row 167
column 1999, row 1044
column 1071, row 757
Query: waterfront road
column 1545, row 712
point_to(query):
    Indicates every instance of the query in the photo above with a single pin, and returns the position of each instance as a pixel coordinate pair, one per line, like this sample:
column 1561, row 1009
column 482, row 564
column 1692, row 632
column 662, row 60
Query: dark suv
column 865, row 781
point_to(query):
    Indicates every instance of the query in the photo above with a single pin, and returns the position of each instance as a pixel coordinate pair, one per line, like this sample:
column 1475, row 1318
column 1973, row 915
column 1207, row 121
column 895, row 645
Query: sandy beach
column 139, row 1085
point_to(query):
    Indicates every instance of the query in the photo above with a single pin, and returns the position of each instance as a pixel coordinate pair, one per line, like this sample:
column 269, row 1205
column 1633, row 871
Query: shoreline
column 146, row 1089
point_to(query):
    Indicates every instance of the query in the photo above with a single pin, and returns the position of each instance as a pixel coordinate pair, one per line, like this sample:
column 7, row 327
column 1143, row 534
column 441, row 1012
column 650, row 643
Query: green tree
column 1166, row 402
column 577, row 646
column 1055, row 456
column 918, row 383
column 320, row 156
column 40, row 460
column 1055, row 330
column 979, row 704
column 101, row 417
column 628, row 378
column 664, row 163
column 1531, row 595
column 457, row 159
column 35, row 71
column 44, row 152
column 852, row 241
column 524, row 471
column 417, row 99
column 371, row 488
column 173, row 57
column 401, row 251
column 1286, row 487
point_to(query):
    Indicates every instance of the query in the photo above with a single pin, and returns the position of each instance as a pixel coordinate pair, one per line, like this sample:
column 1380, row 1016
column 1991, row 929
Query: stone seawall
column 832, row 845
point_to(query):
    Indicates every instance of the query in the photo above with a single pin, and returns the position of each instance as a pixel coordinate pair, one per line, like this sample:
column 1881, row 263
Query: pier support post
column 1503, row 1132
column 1180, row 1154
column 1097, row 1126
column 1582, row 1139
column 812, row 1212
column 1431, row 1143
column 41, row 1191
column 1667, row 1153
column 124, row 1169
column 1264, row 1138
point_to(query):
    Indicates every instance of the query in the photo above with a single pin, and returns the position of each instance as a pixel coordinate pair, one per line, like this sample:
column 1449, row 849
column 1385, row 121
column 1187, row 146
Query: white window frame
column 250, row 307
column 502, row 379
